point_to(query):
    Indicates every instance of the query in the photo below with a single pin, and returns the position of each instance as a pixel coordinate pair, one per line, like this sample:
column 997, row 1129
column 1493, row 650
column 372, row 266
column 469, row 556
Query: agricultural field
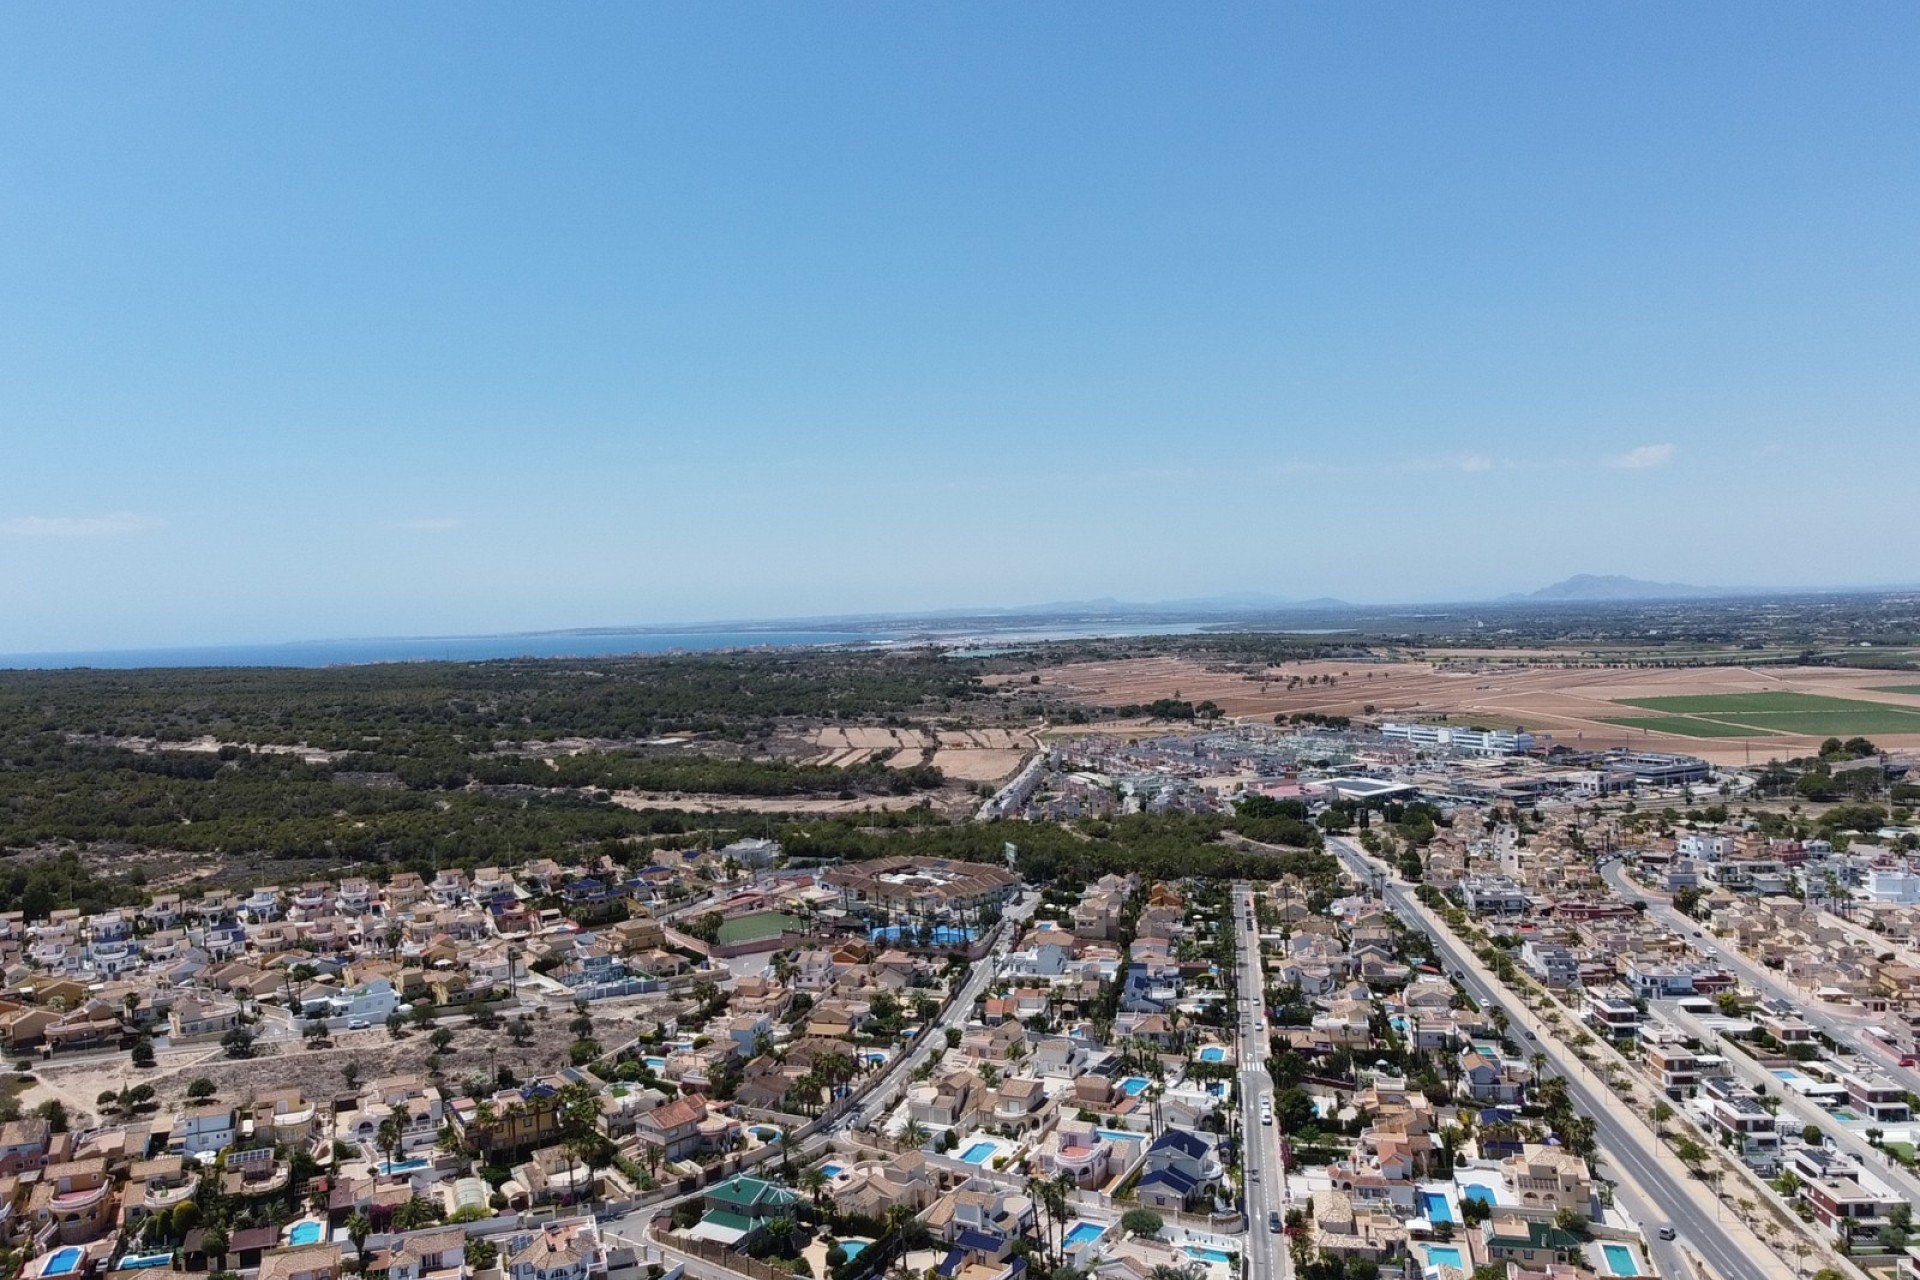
column 1683, row 726
column 1912, row 690
column 1769, row 713
column 1724, row 713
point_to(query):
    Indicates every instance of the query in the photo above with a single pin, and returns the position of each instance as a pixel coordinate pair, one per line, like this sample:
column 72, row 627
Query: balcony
column 157, row 1199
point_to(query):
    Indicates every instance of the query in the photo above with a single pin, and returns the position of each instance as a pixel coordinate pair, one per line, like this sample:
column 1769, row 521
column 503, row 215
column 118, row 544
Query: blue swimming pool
column 1444, row 1255
column 1121, row 1135
column 405, row 1166
column 1213, row 1053
column 657, row 1064
column 1134, row 1086
column 854, row 1248
column 145, row 1260
column 939, row 936
column 1477, row 1193
column 62, row 1263
column 1208, row 1255
column 832, row 1170
column 1084, row 1233
column 1620, row 1260
column 1435, row 1206
column 978, row 1153
column 308, row 1232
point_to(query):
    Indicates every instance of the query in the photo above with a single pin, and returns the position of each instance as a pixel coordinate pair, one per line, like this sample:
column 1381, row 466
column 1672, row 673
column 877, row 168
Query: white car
column 358, row 1024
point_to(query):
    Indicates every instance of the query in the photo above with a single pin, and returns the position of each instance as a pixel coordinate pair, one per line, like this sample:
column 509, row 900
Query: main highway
column 1676, row 1198
column 1262, row 1163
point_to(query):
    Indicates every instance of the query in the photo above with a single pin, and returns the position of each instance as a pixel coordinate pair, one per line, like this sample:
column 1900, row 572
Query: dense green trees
column 423, row 764
column 1162, row 846
column 407, row 706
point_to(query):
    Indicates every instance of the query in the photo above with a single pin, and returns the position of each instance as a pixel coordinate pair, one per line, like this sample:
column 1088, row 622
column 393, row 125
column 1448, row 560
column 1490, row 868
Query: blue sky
column 374, row 319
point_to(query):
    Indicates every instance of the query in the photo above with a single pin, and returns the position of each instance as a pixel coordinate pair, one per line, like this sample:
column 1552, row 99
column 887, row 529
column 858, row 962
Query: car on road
column 358, row 1024
column 1253, row 1175
column 1666, row 1231
column 1273, row 1221
column 1908, row 1060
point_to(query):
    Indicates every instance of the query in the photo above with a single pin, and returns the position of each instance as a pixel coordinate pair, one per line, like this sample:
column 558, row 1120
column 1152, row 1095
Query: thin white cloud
column 1304, row 467
column 1644, row 458
column 107, row 526
column 430, row 524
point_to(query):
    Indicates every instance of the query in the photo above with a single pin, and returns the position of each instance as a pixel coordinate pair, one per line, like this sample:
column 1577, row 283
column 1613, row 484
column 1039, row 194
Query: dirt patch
column 320, row 1073
column 841, row 737
column 978, row 764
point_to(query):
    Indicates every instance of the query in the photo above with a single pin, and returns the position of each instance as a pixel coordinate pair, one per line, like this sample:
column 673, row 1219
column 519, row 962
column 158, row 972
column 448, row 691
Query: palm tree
column 359, row 1227
column 1165, row 1271
column 915, row 1135
column 388, row 1139
column 1050, row 1196
column 216, row 1242
column 579, row 1119
column 814, row 1182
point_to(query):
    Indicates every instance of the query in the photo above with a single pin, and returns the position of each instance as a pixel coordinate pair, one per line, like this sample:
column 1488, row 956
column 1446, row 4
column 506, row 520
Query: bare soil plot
column 978, row 764
column 318, row 1073
column 870, row 739
column 988, row 739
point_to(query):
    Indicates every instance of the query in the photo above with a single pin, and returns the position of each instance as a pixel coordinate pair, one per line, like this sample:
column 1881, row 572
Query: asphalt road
column 1687, row 1205
column 1265, row 1172
column 1845, row 1030
column 882, row 1097
column 1795, row 1109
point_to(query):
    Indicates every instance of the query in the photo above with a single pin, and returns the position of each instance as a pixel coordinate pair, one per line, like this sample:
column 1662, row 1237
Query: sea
column 338, row 653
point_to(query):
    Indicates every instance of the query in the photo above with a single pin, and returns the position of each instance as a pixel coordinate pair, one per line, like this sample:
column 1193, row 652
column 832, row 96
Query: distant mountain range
column 1243, row 602
column 1602, row 587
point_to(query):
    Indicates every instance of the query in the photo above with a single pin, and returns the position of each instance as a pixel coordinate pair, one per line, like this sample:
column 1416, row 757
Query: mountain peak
column 1614, row 586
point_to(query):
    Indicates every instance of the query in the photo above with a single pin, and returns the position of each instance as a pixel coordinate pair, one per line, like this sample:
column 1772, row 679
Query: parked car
column 358, row 1024
column 1273, row 1221
column 1666, row 1231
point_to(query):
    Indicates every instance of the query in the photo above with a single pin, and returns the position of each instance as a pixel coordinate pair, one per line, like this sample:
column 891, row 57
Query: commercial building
column 1476, row 742
column 1625, row 769
column 922, row 885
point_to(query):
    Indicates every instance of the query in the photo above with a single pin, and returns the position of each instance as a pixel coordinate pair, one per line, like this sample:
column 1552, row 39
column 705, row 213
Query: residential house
column 673, row 1129
column 1180, row 1167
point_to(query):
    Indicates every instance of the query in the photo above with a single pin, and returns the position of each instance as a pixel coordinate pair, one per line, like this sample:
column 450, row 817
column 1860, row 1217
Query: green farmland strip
column 1687, row 726
column 1812, row 715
